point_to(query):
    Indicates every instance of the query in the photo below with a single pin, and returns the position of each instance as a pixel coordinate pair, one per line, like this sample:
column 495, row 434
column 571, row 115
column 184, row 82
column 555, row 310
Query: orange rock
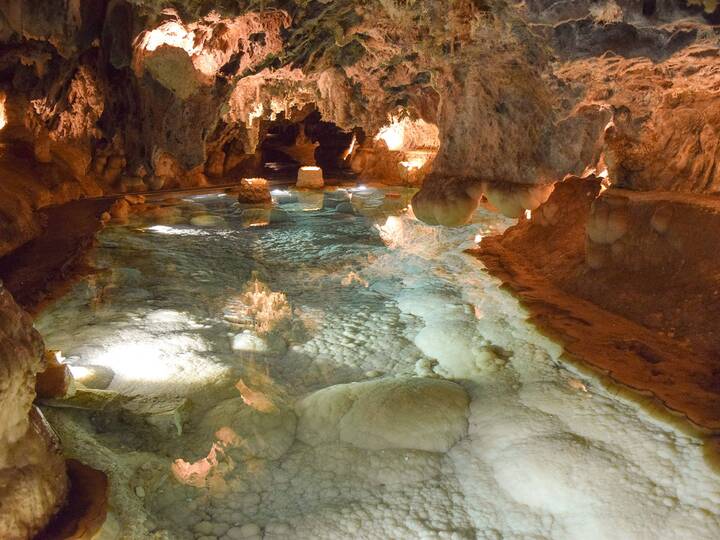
column 86, row 508
column 56, row 381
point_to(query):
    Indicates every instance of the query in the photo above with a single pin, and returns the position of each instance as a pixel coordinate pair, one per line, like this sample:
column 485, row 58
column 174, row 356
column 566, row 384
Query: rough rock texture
column 625, row 281
column 32, row 470
column 628, row 91
column 142, row 95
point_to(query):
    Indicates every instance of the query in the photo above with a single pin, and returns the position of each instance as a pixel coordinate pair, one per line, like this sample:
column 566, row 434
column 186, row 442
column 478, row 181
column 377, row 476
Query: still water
column 332, row 368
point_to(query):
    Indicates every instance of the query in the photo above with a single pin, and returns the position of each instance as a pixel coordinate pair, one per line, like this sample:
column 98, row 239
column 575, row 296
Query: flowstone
column 405, row 412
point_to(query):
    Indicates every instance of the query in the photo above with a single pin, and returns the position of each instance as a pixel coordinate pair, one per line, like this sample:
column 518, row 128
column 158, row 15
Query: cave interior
column 383, row 269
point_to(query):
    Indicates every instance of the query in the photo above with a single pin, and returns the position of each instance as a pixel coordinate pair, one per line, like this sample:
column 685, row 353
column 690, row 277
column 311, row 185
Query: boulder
column 254, row 191
column 405, row 412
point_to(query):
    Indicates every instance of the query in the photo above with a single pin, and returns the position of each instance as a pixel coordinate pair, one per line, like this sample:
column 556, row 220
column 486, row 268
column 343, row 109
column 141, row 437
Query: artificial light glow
column 80, row 373
column 406, row 134
column 256, row 181
column 171, row 33
column 350, row 149
column 138, row 361
column 164, row 229
column 414, row 163
column 310, row 168
column 257, row 112
column 393, row 135
column 3, row 112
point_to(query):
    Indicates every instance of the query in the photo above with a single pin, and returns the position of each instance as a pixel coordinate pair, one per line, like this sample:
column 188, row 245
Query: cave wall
column 138, row 94
column 33, row 483
column 108, row 96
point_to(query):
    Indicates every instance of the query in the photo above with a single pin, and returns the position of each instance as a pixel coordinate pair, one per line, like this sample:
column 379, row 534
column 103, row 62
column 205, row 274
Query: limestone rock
column 250, row 432
column 32, row 471
column 412, row 413
column 254, row 191
column 310, row 177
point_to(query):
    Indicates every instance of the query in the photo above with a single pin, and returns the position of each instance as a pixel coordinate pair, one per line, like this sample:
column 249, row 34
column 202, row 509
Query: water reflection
column 211, row 333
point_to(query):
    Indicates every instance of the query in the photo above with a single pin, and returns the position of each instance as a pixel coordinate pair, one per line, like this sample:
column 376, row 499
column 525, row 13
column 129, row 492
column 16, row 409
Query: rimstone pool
column 333, row 368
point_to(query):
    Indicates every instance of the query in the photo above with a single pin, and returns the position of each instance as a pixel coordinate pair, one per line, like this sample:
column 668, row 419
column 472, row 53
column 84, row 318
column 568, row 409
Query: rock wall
column 627, row 89
column 107, row 96
column 32, row 470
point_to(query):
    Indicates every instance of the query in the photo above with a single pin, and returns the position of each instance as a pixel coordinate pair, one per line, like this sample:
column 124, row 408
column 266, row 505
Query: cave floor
column 212, row 301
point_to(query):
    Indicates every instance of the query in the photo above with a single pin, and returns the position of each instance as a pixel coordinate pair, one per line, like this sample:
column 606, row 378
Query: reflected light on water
column 164, row 229
column 138, row 361
column 80, row 373
column 392, row 232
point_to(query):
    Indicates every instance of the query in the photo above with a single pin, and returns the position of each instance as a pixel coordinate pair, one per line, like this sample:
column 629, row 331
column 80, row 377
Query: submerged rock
column 207, row 220
column 405, row 412
column 249, row 432
column 248, row 341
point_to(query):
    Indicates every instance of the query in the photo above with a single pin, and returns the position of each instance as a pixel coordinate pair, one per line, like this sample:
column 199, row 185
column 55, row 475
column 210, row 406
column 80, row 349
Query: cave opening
column 286, row 146
column 327, row 270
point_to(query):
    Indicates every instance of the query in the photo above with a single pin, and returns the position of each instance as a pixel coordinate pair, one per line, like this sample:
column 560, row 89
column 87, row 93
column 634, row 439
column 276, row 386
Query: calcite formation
column 486, row 102
column 32, row 470
column 310, row 178
column 412, row 413
column 253, row 191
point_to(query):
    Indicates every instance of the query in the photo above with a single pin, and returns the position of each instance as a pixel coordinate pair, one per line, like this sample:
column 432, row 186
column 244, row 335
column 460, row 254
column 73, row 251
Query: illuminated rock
column 411, row 413
column 57, row 379
column 33, row 483
column 253, row 191
column 608, row 220
column 247, row 431
column 310, row 177
column 514, row 200
column 120, row 209
column 248, row 341
column 448, row 202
